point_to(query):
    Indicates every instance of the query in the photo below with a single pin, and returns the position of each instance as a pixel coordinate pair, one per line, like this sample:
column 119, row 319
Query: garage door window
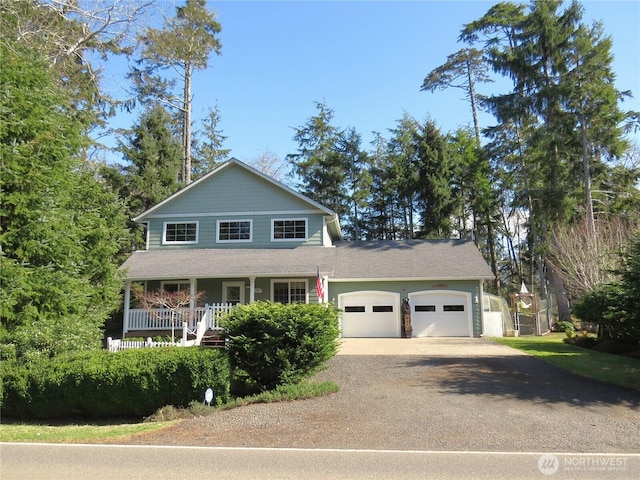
column 382, row 308
column 425, row 308
column 453, row 308
column 354, row 309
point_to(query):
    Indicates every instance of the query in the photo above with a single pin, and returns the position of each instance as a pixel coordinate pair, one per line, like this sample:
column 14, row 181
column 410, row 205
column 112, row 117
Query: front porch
column 220, row 294
column 144, row 322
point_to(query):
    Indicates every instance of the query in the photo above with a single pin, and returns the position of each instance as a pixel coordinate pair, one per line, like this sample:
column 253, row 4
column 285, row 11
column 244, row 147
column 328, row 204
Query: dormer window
column 180, row 233
column 289, row 229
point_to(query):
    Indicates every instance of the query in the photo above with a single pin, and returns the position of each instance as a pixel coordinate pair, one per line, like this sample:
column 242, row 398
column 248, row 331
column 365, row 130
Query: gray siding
column 231, row 190
column 213, row 288
column 261, row 231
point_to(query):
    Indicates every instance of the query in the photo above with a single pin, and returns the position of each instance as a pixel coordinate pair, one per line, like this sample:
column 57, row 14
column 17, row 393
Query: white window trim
column 218, row 222
column 146, row 227
column 288, row 281
column 189, row 242
column 306, row 229
column 239, row 284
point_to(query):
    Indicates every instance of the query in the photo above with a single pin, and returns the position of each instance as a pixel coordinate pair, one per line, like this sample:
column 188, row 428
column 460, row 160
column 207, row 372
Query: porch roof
column 358, row 261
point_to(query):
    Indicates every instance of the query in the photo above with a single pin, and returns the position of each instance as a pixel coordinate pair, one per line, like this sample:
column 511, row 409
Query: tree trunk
column 492, row 255
column 564, row 311
column 186, row 126
column 474, row 108
column 588, row 200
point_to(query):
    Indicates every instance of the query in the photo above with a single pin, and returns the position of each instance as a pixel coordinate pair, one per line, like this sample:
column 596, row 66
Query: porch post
column 192, row 293
column 480, row 307
column 252, row 289
column 127, row 301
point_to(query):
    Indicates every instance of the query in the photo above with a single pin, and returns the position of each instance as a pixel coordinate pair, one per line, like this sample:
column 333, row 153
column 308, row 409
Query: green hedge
column 276, row 344
column 102, row 384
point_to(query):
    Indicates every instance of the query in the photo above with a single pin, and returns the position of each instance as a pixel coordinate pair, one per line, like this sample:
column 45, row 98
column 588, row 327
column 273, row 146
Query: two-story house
column 240, row 236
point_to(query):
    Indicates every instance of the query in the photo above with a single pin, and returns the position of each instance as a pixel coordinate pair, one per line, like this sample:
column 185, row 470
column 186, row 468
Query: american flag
column 319, row 286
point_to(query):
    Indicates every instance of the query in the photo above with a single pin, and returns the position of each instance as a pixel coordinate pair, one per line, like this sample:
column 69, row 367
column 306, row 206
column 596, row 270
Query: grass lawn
column 616, row 369
column 22, row 432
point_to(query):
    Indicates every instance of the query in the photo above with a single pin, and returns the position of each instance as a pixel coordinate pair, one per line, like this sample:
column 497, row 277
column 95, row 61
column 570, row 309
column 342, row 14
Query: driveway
column 432, row 394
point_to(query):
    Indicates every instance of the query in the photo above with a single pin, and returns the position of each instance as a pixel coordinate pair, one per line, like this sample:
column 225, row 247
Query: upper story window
column 234, row 230
column 175, row 233
column 289, row 229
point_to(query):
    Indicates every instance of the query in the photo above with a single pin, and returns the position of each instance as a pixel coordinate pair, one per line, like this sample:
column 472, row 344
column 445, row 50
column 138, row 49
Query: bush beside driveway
column 451, row 399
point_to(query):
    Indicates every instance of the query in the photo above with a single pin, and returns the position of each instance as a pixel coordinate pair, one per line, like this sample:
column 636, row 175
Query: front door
column 233, row 292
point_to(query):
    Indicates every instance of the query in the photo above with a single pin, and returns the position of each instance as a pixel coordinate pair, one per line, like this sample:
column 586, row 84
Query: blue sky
column 365, row 59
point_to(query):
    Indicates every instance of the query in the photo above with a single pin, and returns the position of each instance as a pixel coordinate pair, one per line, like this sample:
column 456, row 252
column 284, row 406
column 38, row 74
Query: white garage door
column 370, row 314
column 441, row 314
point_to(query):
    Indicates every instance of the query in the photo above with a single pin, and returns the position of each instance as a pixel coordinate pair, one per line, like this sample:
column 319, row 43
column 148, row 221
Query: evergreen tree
column 438, row 188
column 208, row 149
column 319, row 165
column 463, row 69
column 60, row 228
column 154, row 155
column 561, row 117
column 380, row 213
column 404, row 174
column 154, row 163
column 182, row 46
column 358, row 180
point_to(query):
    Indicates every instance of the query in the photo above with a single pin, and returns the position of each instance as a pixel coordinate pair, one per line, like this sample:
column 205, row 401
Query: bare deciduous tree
column 177, row 303
column 270, row 164
column 582, row 264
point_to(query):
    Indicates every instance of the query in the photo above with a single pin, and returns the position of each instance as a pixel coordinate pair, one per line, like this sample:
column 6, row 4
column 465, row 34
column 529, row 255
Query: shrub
column 275, row 344
column 614, row 306
column 563, row 327
column 609, row 307
column 615, row 347
column 583, row 341
column 102, row 384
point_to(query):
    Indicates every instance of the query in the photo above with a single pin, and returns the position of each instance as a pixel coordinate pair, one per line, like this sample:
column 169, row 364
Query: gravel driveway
column 432, row 394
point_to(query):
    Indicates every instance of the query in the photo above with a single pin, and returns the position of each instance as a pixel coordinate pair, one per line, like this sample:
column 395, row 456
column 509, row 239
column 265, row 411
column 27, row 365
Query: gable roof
column 347, row 261
column 230, row 164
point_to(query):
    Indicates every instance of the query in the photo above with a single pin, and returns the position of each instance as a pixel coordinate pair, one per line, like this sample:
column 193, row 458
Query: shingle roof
column 415, row 259
column 376, row 260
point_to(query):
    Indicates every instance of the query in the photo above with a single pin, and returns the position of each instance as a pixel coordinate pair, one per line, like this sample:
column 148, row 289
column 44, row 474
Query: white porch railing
column 115, row 345
column 163, row 318
column 166, row 319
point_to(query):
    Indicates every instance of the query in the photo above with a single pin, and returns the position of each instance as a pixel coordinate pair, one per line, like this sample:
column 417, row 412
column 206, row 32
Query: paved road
column 99, row 462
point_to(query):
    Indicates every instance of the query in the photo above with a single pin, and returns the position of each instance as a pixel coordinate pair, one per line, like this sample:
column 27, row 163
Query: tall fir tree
column 60, row 228
column 321, row 169
column 182, row 46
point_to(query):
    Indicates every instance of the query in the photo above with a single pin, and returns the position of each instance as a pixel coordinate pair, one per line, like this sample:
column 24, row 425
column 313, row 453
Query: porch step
column 214, row 339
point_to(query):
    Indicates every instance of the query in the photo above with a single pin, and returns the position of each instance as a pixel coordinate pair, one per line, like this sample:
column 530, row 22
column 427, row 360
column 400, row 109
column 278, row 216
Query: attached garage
column 370, row 314
column 437, row 313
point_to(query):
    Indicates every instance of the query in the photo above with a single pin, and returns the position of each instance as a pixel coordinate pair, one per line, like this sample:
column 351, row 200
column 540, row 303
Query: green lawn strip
column 65, row 433
column 22, row 432
column 615, row 369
